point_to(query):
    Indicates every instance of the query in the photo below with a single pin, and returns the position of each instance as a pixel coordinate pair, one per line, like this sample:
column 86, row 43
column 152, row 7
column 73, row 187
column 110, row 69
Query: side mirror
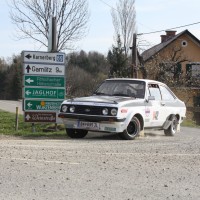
column 150, row 98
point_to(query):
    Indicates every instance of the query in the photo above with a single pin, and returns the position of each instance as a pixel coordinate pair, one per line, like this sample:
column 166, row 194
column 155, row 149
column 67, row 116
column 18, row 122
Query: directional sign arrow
column 28, row 56
column 28, row 117
column 28, row 68
column 29, row 80
column 28, row 92
column 29, row 104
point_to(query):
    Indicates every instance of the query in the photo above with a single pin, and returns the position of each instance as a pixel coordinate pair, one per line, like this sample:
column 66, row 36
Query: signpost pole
column 33, row 127
column 52, row 46
column 17, row 119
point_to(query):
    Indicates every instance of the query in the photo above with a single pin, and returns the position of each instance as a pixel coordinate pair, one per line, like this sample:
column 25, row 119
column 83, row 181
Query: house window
column 193, row 70
column 193, row 74
column 197, row 101
column 184, row 43
column 171, row 69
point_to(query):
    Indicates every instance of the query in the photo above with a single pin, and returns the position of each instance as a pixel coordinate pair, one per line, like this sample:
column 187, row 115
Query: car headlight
column 105, row 111
column 72, row 109
column 114, row 112
column 64, row 108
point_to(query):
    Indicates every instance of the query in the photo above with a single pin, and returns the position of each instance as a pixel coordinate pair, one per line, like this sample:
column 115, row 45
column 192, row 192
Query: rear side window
column 166, row 94
column 155, row 91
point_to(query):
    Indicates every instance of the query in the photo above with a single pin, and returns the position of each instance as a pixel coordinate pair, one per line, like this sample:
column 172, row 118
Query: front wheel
column 171, row 131
column 132, row 130
column 76, row 133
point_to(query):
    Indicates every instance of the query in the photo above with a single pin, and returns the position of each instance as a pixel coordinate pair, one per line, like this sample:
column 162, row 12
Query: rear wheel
column 132, row 130
column 171, row 131
column 76, row 133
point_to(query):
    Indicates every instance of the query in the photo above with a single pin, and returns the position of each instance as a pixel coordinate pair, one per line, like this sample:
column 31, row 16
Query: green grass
column 7, row 127
column 190, row 123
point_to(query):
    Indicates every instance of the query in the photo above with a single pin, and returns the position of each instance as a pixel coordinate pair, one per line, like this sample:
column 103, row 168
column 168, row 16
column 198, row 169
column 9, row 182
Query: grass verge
column 190, row 123
column 7, row 127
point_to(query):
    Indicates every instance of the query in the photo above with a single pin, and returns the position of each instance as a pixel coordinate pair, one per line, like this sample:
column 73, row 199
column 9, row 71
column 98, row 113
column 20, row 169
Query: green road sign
column 48, row 81
column 44, row 93
column 42, row 105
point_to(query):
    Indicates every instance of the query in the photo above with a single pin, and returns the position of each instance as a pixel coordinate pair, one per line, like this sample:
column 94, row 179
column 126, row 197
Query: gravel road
column 153, row 167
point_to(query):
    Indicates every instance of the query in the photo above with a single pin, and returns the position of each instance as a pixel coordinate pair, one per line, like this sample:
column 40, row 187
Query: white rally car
column 124, row 106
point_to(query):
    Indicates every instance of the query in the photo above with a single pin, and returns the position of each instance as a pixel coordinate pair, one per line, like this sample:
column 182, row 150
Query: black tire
column 132, row 130
column 76, row 133
column 172, row 129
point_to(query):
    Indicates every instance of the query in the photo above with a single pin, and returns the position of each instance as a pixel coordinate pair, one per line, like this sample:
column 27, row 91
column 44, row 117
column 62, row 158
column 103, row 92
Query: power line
column 108, row 5
column 153, row 31
column 169, row 29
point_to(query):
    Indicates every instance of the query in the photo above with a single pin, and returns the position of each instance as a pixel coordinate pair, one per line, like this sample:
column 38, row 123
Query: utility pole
column 134, row 57
column 52, row 35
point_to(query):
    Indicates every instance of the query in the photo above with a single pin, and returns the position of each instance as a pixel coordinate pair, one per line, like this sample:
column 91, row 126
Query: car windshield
column 127, row 88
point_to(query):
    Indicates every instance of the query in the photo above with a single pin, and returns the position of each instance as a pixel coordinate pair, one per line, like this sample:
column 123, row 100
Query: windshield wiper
column 123, row 95
column 99, row 93
column 120, row 94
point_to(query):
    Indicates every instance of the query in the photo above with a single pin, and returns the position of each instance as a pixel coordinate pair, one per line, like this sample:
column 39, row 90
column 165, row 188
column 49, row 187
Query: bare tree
column 31, row 18
column 166, row 67
column 124, row 22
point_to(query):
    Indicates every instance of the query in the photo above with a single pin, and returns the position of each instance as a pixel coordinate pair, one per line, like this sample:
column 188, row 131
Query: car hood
column 101, row 99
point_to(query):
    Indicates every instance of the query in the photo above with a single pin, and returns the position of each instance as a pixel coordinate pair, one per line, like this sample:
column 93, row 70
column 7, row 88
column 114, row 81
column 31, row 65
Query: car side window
column 166, row 94
column 155, row 91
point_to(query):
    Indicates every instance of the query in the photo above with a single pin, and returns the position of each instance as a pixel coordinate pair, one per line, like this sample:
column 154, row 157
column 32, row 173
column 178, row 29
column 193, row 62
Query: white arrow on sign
column 29, row 80
column 28, row 92
column 28, row 117
column 29, row 104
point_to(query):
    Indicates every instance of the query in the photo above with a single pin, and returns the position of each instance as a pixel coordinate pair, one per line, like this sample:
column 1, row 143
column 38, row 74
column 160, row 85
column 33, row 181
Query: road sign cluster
column 43, row 85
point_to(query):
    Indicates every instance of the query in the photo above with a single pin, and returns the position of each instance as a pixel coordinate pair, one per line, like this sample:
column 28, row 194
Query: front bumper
column 94, row 118
column 93, row 123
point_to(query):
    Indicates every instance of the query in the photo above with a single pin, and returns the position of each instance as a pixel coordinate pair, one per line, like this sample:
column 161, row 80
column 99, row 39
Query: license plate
column 88, row 125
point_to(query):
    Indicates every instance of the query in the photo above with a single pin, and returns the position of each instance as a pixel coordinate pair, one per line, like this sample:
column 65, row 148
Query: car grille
column 88, row 110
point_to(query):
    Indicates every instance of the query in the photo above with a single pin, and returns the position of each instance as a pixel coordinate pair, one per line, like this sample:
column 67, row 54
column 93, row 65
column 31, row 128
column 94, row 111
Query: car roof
column 145, row 80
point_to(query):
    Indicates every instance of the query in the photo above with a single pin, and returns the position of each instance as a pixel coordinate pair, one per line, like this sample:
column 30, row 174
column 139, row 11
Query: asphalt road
column 153, row 167
column 11, row 106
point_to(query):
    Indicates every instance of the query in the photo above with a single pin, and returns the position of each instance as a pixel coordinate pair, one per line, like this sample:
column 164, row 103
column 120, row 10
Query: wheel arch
column 176, row 115
column 140, row 118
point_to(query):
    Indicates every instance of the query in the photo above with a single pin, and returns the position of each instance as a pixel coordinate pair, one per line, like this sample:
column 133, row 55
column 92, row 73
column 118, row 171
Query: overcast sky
column 151, row 16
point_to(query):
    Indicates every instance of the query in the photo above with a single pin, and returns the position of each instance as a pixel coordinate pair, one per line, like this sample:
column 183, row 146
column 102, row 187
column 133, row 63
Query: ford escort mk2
column 124, row 106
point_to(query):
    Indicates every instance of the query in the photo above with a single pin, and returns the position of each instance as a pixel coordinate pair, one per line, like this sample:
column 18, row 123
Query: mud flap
column 167, row 124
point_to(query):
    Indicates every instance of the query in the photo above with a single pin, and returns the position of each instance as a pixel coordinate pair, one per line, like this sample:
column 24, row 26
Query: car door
column 168, row 101
column 157, row 115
